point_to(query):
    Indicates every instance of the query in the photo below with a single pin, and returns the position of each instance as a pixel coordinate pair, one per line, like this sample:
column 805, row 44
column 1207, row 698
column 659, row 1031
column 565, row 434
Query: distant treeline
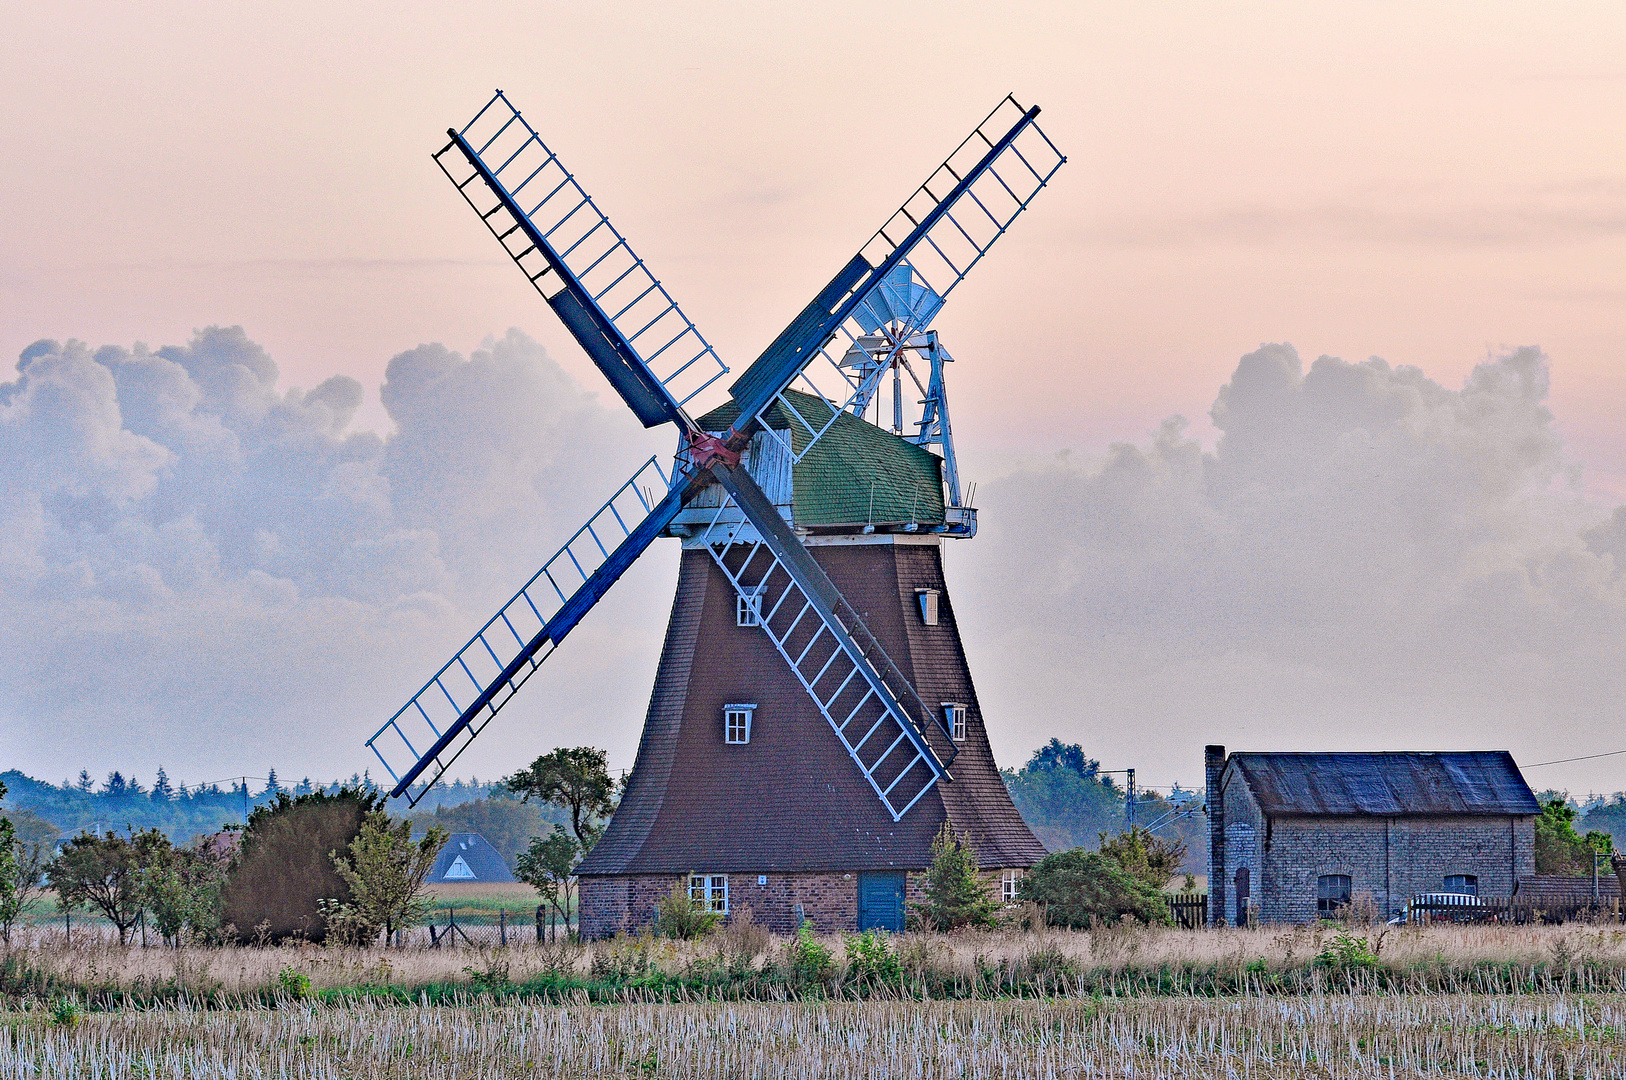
column 121, row 802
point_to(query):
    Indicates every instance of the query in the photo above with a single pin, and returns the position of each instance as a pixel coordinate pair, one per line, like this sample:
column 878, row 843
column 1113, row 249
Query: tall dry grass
column 744, row 961
column 1548, row 1037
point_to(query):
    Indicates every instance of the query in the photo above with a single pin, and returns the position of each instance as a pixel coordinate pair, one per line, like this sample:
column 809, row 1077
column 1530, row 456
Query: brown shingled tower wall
column 790, row 804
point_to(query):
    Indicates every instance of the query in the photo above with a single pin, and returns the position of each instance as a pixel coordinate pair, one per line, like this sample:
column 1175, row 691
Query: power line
column 1564, row 761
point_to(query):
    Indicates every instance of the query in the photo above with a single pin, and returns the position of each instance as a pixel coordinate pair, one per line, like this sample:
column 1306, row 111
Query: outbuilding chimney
column 1213, row 769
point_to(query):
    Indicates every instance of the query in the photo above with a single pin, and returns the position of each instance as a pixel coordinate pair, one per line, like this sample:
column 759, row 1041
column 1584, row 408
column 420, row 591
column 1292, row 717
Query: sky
column 227, row 550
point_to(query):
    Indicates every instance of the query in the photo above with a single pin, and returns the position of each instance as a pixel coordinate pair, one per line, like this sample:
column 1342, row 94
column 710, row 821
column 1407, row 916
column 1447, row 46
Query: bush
column 870, row 959
column 1079, row 887
column 956, row 894
column 1153, row 859
column 284, row 864
column 810, row 960
column 677, row 916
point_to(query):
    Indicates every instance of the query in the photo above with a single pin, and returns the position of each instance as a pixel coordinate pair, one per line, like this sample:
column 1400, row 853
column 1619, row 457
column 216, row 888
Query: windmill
column 813, row 722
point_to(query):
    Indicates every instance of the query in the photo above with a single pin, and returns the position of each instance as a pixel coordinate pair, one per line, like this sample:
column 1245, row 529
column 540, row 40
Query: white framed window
column 737, row 723
column 709, row 892
column 1009, row 882
column 748, row 605
column 927, row 599
column 954, row 719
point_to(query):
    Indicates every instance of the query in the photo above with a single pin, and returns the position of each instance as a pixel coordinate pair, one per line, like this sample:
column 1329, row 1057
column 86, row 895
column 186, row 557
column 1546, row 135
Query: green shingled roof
column 856, row 473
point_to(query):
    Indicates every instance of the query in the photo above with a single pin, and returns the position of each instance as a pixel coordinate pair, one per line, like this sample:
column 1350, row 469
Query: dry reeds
column 744, row 962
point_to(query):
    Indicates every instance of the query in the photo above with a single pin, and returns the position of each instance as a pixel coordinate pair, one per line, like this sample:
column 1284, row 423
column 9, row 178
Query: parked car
column 1442, row 907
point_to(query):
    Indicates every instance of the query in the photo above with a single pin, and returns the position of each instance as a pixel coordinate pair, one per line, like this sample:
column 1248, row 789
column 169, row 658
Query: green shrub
column 66, row 1012
column 956, row 894
column 810, row 960
column 1346, row 953
column 1079, row 888
column 296, row 984
column 677, row 916
column 870, row 959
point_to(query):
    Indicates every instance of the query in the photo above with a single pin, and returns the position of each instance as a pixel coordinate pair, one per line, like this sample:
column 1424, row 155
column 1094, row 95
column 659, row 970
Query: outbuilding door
column 880, row 900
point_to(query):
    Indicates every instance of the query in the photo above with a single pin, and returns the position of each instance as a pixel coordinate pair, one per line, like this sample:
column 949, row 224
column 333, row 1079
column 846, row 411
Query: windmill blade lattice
column 900, row 279
column 658, row 361
column 857, row 688
column 438, row 723
column 580, row 264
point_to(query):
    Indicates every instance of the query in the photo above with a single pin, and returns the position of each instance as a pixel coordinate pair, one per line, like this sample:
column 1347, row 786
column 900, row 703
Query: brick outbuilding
column 1294, row 837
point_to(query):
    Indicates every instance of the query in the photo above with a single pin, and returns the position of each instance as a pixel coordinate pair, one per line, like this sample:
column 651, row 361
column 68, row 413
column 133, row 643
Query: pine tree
column 161, row 789
column 115, row 784
column 85, row 782
column 956, row 894
column 271, row 785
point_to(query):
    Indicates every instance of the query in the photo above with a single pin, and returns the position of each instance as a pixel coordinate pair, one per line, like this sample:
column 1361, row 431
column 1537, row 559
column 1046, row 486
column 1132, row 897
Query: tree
column 575, row 779
column 956, row 894
column 1559, row 849
column 161, row 789
column 85, row 782
column 106, row 873
column 1062, row 796
column 22, row 860
column 271, row 785
column 546, row 866
column 115, row 785
column 1078, row 887
column 387, row 874
column 180, row 887
column 284, row 864
column 1152, row 859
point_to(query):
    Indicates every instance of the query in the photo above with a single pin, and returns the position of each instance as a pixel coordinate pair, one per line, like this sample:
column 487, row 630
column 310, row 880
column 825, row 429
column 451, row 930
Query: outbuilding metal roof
column 1394, row 784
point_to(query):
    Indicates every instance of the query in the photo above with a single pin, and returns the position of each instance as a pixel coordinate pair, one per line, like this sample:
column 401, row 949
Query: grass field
column 1326, row 1035
column 744, row 962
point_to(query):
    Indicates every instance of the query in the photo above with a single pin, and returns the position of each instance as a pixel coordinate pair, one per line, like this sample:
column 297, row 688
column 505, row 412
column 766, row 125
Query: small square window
column 1467, row 884
column 1332, row 892
column 737, row 723
column 928, row 605
column 954, row 720
column 1009, row 882
column 709, row 892
column 748, row 605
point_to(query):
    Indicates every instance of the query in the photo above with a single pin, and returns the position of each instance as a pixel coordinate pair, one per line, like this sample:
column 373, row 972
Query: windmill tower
column 813, row 722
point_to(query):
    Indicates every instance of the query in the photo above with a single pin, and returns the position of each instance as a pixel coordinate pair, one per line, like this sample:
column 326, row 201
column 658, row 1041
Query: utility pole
column 1129, row 794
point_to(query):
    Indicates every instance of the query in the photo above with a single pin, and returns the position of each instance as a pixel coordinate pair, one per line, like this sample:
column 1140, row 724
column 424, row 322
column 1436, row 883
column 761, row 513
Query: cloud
column 201, row 570
column 198, row 569
column 1366, row 560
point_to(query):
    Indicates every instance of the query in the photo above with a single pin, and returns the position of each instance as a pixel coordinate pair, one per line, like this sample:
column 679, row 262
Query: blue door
column 880, row 900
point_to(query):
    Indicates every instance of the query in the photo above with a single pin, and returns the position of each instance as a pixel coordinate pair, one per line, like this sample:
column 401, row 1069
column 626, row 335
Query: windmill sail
column 658, row 361
column 839, row 662
column 438, row 723
column 901, row 278
column 581, row 265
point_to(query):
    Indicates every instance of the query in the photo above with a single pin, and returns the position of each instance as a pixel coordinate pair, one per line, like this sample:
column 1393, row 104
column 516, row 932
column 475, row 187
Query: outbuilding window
column 737, row 723
column 928, row 605
column 1462, row 883
column 1332, row 892
column 709, row 892
column 954, row 719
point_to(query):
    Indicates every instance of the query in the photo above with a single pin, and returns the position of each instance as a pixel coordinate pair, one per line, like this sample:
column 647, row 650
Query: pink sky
column 1423, row 183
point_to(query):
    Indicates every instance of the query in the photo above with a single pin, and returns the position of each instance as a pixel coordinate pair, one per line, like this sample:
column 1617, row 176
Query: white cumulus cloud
column 1366, row 560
